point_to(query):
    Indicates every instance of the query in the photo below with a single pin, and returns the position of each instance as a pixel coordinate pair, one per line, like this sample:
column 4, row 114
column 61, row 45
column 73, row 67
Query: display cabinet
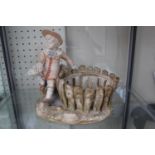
column 142, row 105
column 7, row 115
column 110, row 48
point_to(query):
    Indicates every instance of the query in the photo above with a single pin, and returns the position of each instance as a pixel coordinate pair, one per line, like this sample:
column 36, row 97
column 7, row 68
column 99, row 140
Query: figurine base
column 56, row 113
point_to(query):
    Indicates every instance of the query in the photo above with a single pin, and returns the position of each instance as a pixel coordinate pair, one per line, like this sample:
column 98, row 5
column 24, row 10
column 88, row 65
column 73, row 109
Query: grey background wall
column 106, row 47
column 143, row 82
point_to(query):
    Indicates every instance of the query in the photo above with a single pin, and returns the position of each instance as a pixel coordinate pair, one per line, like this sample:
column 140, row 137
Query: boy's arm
column 67, row 59
column 38, row 67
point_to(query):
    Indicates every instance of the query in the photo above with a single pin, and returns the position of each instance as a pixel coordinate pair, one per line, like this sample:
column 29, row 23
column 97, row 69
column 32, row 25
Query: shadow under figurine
column 48, row 67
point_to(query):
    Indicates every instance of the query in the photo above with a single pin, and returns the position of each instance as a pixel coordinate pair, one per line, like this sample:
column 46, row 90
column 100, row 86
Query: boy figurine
column 49, row 63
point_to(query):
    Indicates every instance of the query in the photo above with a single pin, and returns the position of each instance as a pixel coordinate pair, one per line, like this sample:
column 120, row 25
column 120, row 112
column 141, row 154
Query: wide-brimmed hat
column 54, row 34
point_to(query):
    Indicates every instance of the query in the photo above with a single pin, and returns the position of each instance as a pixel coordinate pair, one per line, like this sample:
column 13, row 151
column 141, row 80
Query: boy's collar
column 51, row 53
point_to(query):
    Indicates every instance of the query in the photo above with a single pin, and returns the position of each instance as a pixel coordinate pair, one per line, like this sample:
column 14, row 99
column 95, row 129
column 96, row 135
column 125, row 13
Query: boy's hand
column 73, row 66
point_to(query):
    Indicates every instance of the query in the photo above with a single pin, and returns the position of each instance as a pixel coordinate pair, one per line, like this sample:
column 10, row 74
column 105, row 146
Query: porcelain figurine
column 48, row 67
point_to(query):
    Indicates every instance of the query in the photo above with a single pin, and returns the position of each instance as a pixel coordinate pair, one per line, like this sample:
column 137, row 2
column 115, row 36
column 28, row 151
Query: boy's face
column 52, row 42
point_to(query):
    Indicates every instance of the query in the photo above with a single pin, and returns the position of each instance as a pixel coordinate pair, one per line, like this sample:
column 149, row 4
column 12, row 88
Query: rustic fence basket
column 85, row 95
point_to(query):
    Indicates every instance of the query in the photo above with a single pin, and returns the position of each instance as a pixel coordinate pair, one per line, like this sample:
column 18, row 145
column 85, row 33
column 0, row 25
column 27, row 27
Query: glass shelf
column 26, row 101
column 7, row 119
column 107, row 48
column 142, row 113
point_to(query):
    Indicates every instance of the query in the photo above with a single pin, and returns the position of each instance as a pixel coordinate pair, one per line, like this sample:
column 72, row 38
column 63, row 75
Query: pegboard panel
column 4, row 87
column 25, row 43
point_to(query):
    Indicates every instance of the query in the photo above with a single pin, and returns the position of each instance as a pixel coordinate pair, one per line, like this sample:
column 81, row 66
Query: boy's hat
column 54, row 34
